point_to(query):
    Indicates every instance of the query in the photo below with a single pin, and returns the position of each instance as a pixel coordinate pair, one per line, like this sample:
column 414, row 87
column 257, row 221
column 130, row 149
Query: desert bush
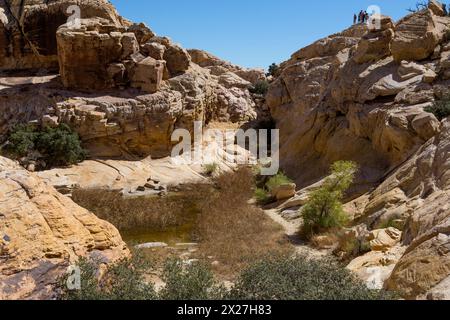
column 300, row 278
column 260, row 87
column 262, row 197
column 276, row 181
column 194, row 281
column 440, row 108
column 124, row 280
column 272, row 277
column 324, row 209
column 211, row 168
column 58, row 146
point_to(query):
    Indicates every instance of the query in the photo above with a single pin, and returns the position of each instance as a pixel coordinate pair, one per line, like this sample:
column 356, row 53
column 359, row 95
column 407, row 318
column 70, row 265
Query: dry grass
column 153, row 213
column 228, row 229
column 233, row 231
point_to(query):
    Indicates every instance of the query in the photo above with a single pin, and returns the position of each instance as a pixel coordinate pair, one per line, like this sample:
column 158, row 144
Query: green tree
column 273, row 70
column 324, row 209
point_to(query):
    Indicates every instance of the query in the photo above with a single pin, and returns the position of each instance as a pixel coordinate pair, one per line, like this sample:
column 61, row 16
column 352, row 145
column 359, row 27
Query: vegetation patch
column 210, row 169
column 47, row 147
column 260, row 87
column 231, row 230
column 273, row 277
column 324, row 209
column 301, row 278
column 440, row 108
column 265, row 186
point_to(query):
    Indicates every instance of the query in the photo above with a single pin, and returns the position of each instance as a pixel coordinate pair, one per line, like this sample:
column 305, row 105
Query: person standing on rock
column 366, row 16
column 360, row 17
column 355, row 17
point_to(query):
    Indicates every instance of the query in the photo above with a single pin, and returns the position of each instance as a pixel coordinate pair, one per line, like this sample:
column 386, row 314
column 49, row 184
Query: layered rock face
column 345, row 97
column 360, row 95
column 124, row 89
column 28, row 29
column 42, row 232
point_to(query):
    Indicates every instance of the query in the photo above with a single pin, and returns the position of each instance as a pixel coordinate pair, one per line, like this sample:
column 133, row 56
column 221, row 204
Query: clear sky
column 251, row 33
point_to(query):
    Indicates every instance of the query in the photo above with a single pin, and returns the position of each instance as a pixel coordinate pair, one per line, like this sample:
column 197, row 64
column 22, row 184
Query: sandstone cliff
column 360, row 95
column 42, row 232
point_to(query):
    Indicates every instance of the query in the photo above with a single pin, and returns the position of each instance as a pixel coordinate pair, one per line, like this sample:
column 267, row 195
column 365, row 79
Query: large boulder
column 417, row 35
column 417, row 196
column 42, row 232
column 376, row 44
column 87, row 53
column 147, row 75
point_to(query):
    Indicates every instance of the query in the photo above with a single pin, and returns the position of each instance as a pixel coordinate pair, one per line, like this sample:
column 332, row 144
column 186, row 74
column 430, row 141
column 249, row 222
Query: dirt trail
column 291, row 230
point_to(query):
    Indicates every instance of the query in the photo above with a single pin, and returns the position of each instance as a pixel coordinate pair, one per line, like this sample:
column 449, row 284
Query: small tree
column 273, row 70
column 420, row 5
column 324, row 209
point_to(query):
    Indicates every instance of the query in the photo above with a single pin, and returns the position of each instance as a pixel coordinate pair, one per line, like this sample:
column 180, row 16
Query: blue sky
column 251, row 33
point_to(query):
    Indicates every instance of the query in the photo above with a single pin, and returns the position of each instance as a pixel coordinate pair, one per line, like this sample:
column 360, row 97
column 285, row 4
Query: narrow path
column 291, row 230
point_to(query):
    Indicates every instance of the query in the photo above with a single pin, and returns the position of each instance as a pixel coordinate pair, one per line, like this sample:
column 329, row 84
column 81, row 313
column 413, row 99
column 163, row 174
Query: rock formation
column 28, row 29
column 360, row 95
column 42, row 232
column 150, row 85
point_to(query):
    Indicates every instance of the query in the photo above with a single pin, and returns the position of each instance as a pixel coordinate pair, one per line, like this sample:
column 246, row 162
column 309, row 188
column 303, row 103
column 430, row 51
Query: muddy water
column 170, row 219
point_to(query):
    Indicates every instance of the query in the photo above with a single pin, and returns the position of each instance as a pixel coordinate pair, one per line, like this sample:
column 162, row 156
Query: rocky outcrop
column 219, row 67
column 125, row 90
column 417, row 36
column 360, row 95
column 42, row 232
column 345, row 97
column 28, row 29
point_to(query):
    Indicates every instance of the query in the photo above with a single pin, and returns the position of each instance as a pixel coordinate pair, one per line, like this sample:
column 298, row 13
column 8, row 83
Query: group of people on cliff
column 362, row 17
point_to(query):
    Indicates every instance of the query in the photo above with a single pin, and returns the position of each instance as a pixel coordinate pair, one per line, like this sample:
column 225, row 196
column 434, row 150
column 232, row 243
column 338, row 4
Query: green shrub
column 123, row 281
column 22, row 140
column 301, row 278
column 441, row 108
column 276, row 181
column 188, row 282
column 260, row 87
column 261, row 196
column 275, row 277
column 324, row 209
column 58, row 146
column 211, row 168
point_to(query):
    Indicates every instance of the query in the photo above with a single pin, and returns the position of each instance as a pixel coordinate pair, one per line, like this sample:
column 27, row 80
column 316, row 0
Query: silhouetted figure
column 355, row 17
column 366, row 17
column 360, row 17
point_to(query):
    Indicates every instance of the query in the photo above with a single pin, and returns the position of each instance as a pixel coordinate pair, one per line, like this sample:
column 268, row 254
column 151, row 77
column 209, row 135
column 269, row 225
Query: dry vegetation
column 228, row 228
column 153, row 213
column 234, row 231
